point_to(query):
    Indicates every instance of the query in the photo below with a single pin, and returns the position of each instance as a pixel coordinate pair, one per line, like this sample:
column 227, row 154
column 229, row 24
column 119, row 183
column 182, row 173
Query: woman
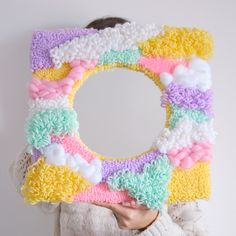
column 103, row 219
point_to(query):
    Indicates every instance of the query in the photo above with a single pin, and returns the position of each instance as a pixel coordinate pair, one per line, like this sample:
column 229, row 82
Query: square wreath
column 175, row 168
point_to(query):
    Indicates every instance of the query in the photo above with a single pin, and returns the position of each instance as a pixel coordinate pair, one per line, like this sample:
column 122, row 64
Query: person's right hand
column 131, row 215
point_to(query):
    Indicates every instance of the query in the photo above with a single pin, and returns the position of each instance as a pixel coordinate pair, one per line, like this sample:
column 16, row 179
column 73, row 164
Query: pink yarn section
column 188, row 156
column 101, row 193
column 50, row 89
column 159, row 64
column 73, row 145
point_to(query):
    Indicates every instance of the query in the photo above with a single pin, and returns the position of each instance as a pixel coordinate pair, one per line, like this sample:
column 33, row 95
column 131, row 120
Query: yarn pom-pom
column 196, row 75
column 188, row 156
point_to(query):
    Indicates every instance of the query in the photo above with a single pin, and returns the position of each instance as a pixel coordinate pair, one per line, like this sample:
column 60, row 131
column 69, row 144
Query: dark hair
column 105, row 22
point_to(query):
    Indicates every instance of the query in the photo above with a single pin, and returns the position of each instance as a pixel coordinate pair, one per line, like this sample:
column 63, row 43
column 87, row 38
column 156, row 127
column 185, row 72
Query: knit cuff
column 160, row 227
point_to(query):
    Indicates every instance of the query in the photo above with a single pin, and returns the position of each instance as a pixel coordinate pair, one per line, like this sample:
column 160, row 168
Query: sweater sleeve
column 180, row 219
column 17, row 171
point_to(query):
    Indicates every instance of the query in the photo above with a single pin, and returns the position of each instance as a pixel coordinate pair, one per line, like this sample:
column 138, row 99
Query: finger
column 118, row 209
column 138, row 206
column 126, row 204
column 103, row 204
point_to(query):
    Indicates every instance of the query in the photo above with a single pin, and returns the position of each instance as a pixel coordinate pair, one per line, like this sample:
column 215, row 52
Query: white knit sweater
column 84, row 219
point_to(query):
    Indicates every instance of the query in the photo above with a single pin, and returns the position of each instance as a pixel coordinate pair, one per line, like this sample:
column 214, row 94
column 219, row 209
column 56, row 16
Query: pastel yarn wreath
column 175, row 168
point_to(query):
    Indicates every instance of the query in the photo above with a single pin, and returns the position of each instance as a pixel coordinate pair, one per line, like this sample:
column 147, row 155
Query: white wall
column 19, row 18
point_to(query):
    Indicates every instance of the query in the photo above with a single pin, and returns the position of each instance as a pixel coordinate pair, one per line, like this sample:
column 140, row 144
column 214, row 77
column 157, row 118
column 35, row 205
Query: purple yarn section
column 36, row 155
column 109, row 167
column 191, row 98
column 44, row 40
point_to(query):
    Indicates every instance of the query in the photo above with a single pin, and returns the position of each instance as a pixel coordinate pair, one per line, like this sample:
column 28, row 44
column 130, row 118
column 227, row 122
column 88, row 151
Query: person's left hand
column 131, row 215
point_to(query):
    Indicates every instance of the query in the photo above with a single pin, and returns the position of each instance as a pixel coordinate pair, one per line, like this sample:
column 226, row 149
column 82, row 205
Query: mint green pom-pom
column 48, row 121
column 149, row 187
column 178, row 112
column 128, row 56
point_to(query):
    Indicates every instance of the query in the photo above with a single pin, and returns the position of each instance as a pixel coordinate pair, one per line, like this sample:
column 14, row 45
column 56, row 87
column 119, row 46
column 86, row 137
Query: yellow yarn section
column 100, row 68
column 53, row 73
column 192, row 184
column 168, row 114
column 179, row 43
column 44, row 182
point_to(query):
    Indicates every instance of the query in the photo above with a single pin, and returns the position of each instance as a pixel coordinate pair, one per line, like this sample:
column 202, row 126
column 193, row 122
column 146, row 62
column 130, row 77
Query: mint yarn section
column 128, row 56
column 42, row 124
column 149, row 187
column 179, row 112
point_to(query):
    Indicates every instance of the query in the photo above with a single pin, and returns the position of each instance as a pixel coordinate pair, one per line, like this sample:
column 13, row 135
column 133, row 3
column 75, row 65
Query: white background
column 19, row 18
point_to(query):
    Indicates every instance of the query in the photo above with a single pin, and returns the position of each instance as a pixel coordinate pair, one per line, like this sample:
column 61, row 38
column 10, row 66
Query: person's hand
column 131, row 215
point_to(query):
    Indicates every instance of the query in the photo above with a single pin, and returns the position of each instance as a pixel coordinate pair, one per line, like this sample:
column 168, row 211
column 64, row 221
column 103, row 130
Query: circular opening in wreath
column 119, row 112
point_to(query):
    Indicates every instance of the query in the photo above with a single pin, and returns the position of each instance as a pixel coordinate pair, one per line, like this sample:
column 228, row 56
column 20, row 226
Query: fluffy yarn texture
column 43, row 123
column 188, row 156
column 187, row 98
column 109, row 167
column 56, row 155
column 178, row 43
column 154, row 177
column 174, row 58
column 184, row 133
column 127, row 56
column 178, row 112
column 46, row 182
column 91, row 47
column 197, row 74
column 193, row 183
column 52, row 89
column 73, row 144
column 44, row 40
column 40, row 104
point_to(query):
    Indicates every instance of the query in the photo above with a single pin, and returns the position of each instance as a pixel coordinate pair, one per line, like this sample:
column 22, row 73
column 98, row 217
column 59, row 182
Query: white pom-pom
column 166, row 78
column 87, row 170
column 197, row 74
column 96, row 177
column 71, row 162
column 97, row 163
column 55, row 154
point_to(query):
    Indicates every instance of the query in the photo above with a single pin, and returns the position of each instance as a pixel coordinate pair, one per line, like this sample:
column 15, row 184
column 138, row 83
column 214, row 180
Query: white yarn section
column 55, row 155
column 91, row 47
column 196, row 75
column 185, row 133
column 38, row 104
